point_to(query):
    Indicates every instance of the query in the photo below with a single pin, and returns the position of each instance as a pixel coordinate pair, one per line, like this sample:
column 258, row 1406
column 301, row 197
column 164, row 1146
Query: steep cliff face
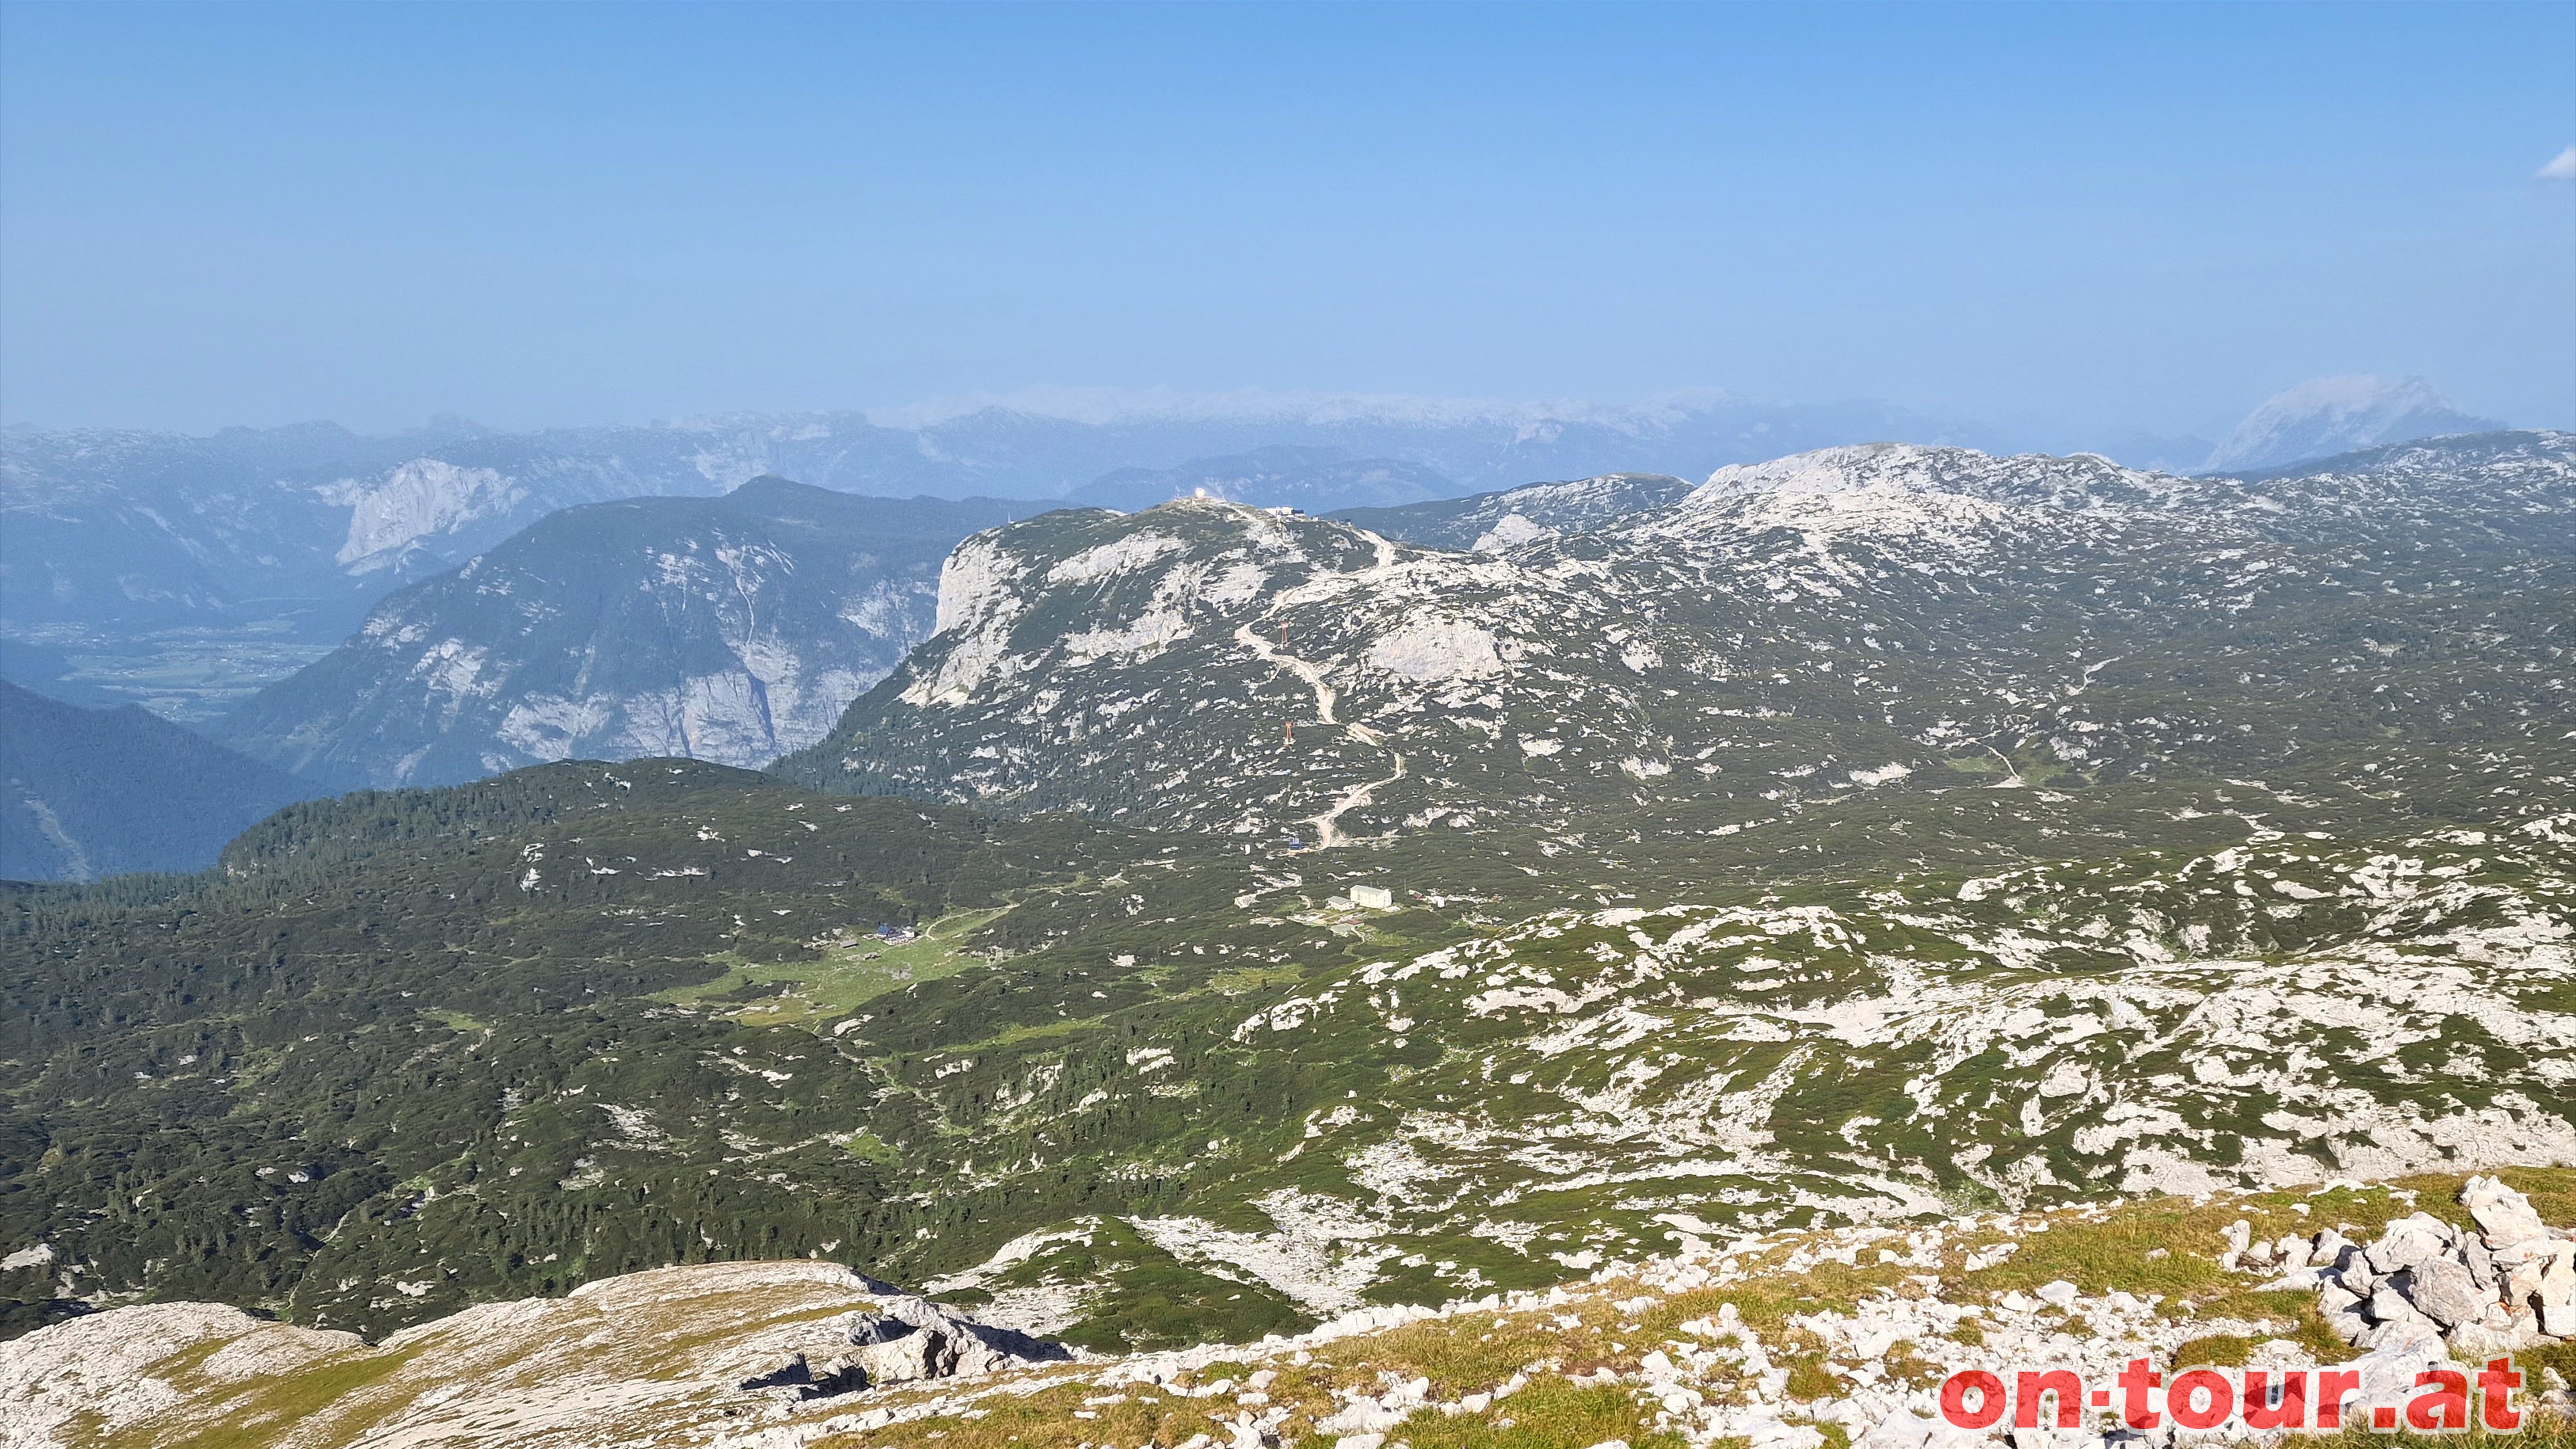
column 730, row 629
column 392, row 518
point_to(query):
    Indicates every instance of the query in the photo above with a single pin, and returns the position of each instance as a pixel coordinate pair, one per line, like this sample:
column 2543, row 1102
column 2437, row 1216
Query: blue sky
column 2051, row 217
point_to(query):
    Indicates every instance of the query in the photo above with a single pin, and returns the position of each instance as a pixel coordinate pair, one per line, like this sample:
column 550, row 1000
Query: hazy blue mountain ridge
column 121, row 531
column 728, row 629
column 2329, row 415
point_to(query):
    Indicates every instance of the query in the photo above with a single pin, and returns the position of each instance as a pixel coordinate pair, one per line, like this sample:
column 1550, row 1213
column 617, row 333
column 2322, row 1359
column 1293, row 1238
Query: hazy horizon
column 1114, row 405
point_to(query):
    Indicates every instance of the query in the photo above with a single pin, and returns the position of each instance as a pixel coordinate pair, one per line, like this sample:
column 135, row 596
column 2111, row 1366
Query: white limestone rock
column 2444, row 1290
column 2502, row 1214
column 2411, row 1240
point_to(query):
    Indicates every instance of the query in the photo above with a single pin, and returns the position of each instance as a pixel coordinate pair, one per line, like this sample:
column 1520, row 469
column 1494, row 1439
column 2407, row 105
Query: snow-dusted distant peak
column 1834, row 470
column 1956, row 500
column 2328, row 415
column 2084, row 480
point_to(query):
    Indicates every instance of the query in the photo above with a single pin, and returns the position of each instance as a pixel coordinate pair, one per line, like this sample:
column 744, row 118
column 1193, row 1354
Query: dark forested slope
column 86, row 793
column 217, row 1082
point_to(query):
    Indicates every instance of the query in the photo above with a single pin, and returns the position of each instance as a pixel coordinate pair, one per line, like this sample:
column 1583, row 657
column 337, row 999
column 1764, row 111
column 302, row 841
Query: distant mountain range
column 2331, row 415
column 728, row 629
column 86, row 793
column 188, row 571
column 738, row 629
column 1316, row 480
column 125, row 531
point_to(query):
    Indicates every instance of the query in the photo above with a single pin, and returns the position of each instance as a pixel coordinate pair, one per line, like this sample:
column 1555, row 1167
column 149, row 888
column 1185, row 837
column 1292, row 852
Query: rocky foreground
column 1796, row 1340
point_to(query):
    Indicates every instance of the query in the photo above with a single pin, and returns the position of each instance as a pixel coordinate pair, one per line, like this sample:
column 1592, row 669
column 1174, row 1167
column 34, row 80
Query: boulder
column 2240, row 1236
column 1363, row 1415
column 1900, row 1430
column 2481, row 1266
column 919, row 1339
column 2558, row 1280
column 2387, row 1305
column 2478, row 1341
column 867, row 1328
column 2505, row 1287
column 2502, row 1214
column 2411, row 1333
column 912, row 1339
column 1906, row 1430
column 2409, row 1241
column 924, row 1353
column 2538, row 1271
column 2388, row 1373
column 2445, row 1291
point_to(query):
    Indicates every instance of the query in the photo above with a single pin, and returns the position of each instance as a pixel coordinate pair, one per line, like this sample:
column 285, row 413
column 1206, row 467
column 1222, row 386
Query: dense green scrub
column 299, row 1078
column 407, row 1051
